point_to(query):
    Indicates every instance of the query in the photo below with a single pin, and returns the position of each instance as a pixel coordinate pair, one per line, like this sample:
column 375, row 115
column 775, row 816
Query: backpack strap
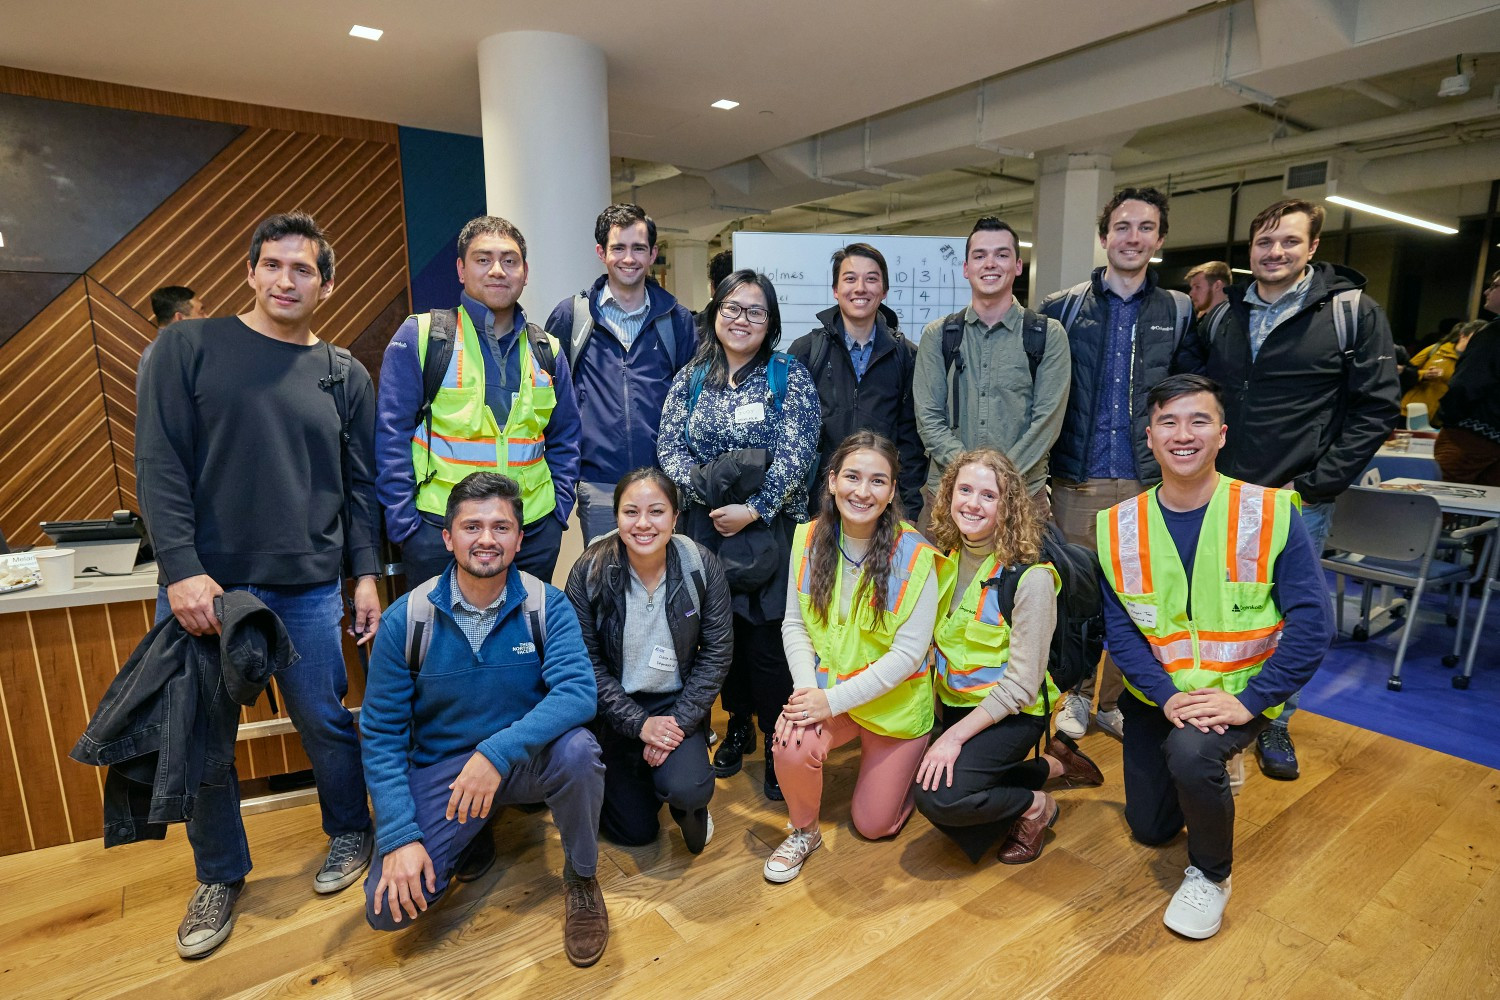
column 543, row 348
column 419, row 624
column 583, row 328
column 1073, row 303
column 535, row 610
column 1346, row 322
column 340, row 363
column 1214, row 320
column 442, row 326
column 701, row 590
column 776, row 377
column 819, row 354
column 1184, row 319
column 666, row 332
column 1034, row 339
column 953, row 361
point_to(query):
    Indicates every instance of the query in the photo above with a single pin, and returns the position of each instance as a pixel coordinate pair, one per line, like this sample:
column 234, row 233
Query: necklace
column 856, row 563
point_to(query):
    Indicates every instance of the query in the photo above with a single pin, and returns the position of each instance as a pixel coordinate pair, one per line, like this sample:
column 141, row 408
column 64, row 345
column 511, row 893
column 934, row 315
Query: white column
column 543, row 100
column 689, row 272
column 1071, row 190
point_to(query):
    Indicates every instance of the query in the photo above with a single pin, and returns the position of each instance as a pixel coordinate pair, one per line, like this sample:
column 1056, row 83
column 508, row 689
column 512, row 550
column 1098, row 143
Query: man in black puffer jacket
column 862, row 366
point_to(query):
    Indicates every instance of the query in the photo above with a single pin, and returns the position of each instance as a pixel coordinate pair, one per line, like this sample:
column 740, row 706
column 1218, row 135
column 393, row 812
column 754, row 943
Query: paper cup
column 57, row 569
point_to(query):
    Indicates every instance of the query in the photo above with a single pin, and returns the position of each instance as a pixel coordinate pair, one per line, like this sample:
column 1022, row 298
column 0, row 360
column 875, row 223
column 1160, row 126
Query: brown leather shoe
column 585, row 921
column 1078, row 770
column 1025, row 841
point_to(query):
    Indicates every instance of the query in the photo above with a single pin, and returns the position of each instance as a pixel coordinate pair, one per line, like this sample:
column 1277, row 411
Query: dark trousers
column 992, row 782
column 759, row 681
column 565, row 774
column 1175, row 776
column 634, row 790
column 424, row 556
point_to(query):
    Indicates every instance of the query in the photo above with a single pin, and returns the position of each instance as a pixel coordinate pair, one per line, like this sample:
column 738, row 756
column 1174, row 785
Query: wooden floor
column 1372, row 876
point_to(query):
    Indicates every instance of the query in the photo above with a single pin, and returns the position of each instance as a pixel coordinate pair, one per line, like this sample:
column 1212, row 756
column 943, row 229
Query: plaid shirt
column 476, row 623
column 625, row 325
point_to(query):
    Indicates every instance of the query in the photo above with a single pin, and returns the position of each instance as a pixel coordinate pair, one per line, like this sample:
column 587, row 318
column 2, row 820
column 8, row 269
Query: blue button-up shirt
column 1111, row 452
column 859, row 353
column 1267, row 316
column 625, row 325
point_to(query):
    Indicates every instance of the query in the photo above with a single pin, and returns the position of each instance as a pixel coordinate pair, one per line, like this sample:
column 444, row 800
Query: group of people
column 841, row 542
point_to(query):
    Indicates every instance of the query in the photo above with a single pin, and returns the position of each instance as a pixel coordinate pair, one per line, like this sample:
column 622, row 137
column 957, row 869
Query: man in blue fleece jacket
column 486, row 722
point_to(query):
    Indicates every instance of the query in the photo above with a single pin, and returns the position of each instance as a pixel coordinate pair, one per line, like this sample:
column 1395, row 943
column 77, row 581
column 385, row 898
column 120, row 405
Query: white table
column 87, row 590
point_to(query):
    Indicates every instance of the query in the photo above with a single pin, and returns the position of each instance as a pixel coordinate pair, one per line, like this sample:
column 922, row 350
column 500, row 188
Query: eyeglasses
column 755, row 314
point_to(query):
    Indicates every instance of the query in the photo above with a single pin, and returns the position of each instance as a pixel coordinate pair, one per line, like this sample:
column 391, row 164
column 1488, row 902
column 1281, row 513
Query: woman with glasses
column 739, row 436
column 976, row 783
column 654, row 609
column 861, row 603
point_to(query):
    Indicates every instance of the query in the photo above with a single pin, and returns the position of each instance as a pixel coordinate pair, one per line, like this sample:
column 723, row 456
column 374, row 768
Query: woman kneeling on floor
column 654, row 610
column 861, row 603
column 975, row 783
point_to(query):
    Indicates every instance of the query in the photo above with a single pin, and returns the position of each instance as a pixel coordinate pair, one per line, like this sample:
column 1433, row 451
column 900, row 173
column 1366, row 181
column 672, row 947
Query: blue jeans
column 566, row 774
column 313, row 690
column 1317, row 518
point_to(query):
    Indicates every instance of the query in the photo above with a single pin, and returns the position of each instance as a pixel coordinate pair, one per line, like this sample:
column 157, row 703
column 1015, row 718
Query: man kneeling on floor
column 1216, row 611
column 479, row 703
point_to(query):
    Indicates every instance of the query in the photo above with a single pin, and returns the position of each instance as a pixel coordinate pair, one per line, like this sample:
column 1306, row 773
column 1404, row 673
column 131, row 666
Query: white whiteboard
column 927, row 280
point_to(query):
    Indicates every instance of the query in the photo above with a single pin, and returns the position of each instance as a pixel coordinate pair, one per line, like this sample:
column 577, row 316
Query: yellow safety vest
column 847, row 648
column 465, row 437
column 1235, row 625
column 973, row 641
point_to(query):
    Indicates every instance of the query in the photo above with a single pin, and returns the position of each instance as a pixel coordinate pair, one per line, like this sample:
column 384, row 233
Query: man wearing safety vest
column 1216, row 611
column 503, row 402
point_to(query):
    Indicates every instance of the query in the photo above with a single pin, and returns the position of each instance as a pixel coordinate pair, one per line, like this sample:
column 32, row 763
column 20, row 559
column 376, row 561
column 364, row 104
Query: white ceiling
column 797, row 67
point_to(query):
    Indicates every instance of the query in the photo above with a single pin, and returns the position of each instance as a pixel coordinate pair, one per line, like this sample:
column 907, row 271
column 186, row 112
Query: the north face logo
column 530, row 647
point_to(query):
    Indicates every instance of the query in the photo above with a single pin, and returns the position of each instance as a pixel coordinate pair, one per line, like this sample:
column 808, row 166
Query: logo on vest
column 1238, row 607
column 529, row 647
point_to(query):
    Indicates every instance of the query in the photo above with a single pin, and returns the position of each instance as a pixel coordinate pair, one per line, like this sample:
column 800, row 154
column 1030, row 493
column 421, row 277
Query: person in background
column 742, row 422
column 169, row 304
column 1468, row 447
column 1434, row 367
column 1206, row 285
column 861, row 603
column 719, row 267
column 625, row 337
column 862, row 367
column 499, row 406
column 1216, row 611
column 240, row 459
column 654, row 609
column 1310, row 398
column 975, row 782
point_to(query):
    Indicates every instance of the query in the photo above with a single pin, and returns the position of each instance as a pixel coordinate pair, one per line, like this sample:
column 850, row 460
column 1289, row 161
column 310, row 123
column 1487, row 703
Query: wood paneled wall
column 67, row 379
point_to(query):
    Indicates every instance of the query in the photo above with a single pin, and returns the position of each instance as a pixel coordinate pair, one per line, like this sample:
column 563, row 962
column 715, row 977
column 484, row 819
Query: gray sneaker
column 348, row 857
column 209, row 919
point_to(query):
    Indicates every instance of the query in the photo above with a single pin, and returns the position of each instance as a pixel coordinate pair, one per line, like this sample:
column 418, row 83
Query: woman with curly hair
column 975, row 783
column 861, row 603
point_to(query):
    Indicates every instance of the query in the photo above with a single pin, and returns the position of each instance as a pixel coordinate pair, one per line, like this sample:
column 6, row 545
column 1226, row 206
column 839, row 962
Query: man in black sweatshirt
column 240, row 473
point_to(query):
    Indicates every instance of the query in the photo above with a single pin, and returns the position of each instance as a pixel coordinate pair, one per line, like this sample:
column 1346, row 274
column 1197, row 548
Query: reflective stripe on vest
column 846, row 648
column 1235, row 625
column 973, row 641
column 465, row 437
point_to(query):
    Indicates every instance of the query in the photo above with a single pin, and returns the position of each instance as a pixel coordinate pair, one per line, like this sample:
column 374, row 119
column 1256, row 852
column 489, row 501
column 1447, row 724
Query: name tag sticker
column 1143, row 615
column 663, row 658
column 750, row 413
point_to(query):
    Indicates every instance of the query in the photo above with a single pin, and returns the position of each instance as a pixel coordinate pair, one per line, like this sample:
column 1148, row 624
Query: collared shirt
column 500, row 388
column 859, row 354
column 623, row 324
column 1267, row 316
column 476, row 623
column 1111, row 453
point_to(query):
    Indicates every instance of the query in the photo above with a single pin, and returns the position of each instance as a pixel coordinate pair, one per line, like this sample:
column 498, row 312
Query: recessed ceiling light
column 1025, row 245
column 360, row 31
column 1239, row 270
column 725, row 105
column 1385, row 213
column 1156, row 260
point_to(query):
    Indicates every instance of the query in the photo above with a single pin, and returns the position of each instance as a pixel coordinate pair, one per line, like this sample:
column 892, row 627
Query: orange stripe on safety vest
column 1267, row 533
column 1232, row 549
column 1142, row 508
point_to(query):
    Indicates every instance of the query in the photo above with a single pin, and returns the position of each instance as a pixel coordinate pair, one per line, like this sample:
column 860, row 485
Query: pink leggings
column 882, row 792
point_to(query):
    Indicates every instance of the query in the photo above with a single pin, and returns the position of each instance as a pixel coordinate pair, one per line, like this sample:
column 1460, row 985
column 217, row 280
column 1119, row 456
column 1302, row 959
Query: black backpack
column 1078, row 639
column 1033, row 342
column 442, row 326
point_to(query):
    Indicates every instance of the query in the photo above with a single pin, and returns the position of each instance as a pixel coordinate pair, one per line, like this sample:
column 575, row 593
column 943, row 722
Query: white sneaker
column 1197, row 908
column 785, row 863
column 1111, row 722
column 1236, row 769
column 1073, row 719
column 709, row 836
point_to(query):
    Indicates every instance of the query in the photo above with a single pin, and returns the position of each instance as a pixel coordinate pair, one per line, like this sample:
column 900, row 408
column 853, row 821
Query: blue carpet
column 1428, row 710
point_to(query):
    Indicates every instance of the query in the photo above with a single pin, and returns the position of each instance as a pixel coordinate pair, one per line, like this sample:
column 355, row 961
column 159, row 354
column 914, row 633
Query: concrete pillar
column 543, row 101
column 689, row 272
column 1070, row 192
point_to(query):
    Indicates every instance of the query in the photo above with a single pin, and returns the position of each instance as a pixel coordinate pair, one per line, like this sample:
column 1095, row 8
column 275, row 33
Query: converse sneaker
column 1197, row 908
column 1073, row 719
column 786, row 863
column 209, row 918
column 1111, row 722
column 348, row 857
